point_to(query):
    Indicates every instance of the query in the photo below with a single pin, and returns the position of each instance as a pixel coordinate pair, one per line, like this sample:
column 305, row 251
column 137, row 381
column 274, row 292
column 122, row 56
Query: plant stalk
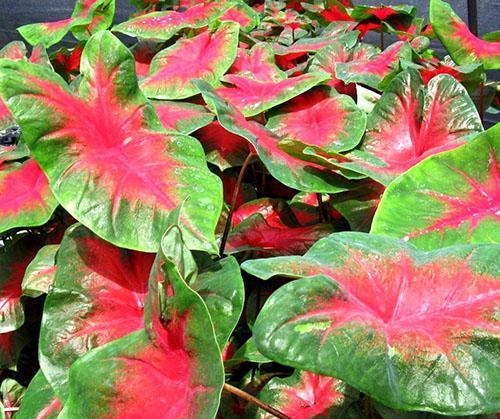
column 481, row 102
column 227, row 227
column 251, row 399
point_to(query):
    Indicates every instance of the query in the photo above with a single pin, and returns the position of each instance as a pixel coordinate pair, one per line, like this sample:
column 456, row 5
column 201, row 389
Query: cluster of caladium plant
column 243, row 209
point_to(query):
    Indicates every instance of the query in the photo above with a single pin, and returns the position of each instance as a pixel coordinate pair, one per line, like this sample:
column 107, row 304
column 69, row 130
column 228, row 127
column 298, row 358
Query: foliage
column 244, row 209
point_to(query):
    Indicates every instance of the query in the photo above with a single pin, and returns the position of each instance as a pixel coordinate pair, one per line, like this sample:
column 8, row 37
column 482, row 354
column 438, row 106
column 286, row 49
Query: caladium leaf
column 320, row 118
column 379, row 304
column 171, row 369
column 206, row 56
column 15, row 50
column 242, row 14
column 411, row 122
column 358, row 206
column 306, row 395
column 164, row 25
column 270, row 227
column 223, row 148
column 288, row 169
column 463, row 46
column 381, row 12
column 450, row 198
column 247, row 353
column 25, row 196
column 221, row 287
column 12, row 396
column 377, row 70
column 39, row 401
column 181, row 116
column 41, row 271
column 89, row 16
column 13, row 262
column 98, row 296
column 252, row 97
column 257, row 63
column 121, row 178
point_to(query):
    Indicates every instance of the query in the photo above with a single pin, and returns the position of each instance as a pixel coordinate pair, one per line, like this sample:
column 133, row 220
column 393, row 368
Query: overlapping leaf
column 252, row 97
column 377, row 304
column 98, row 296
column 463, row 46
column 206, row 56
column 291, row 171
column 164, row 25
column 451, row 198
column 320, row 118
column 411, row 122
column 181, row 116
column 25, row 196
column 89, row 16
column 41, row 271
column 108, row 159
column 306, row 395
column 173, row 368
column 39, row 400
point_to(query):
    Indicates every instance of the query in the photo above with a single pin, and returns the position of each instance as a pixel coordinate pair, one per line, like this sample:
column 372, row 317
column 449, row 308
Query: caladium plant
column 245, row 209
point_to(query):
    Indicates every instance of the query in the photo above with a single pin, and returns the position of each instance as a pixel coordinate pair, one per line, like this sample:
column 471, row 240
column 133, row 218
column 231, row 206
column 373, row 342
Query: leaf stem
column 481, row 101
column 251, row 399
column 227, row 227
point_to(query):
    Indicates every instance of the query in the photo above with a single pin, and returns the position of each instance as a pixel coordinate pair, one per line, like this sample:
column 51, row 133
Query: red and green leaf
column 98, row 296
column 25, row 196
column 89, row 16
column 11, row 345
column 171, row 369
column 242, row 14
column 41, row 271
column 377, row 70
column 463, row 46
column 39, row 401
column 223, row 148
column 377, row 304
column 252, row 97
column 182, row 116
column 12, row 395
column 13, row 262
column 206, row 56
column 164, row 25
column 306, row 395
column 361, row 13
column 257, row 63
column 109, row 161
column 451, row 198
column 411, row 122
column 270, row 227
column 287, row 169
column 320, row 118
column 15, row 50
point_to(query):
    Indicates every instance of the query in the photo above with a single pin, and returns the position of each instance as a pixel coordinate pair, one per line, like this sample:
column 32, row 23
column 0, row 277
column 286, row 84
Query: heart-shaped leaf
column 306, row 395
column 39, row 400
column 379, row 305
column 257, row 63
column 320, row 118
column 89, row 16
column 377, row 70
column 181, row 116
column 206, row 56
column 463, row 46
column 172, row 369
column 411, row 122
column 164, row 25
column 252, row 97
column 25, row 196
column 243, row 14
column 450, row 198
column 109, row 161
column 98, row 296
column 41, row 271
column 290, row 170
